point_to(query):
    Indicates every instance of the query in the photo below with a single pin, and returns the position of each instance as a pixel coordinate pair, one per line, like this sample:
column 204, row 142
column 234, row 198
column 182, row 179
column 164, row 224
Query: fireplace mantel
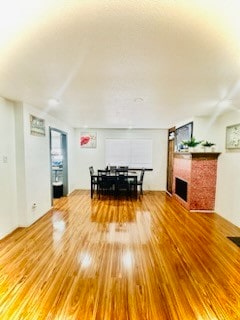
column 199, row 170
column 197, row 155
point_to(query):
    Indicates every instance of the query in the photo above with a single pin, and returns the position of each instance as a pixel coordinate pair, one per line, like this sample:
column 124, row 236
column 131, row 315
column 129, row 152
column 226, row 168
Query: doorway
column 58, row 163
column 171, row 146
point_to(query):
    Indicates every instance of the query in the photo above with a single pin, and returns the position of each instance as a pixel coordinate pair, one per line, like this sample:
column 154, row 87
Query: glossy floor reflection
column 144, row 258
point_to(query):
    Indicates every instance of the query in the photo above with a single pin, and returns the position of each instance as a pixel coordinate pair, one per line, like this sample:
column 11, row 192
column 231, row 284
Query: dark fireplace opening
column 181, row 188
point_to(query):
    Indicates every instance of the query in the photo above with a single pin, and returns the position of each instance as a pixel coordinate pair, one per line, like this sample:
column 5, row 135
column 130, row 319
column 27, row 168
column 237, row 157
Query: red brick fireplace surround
column 196, row 175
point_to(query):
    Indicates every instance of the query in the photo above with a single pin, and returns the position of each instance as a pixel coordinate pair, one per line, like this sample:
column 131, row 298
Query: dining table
column 115, row 179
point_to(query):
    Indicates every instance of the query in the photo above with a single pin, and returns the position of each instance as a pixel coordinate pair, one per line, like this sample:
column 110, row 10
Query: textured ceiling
column 115, row 64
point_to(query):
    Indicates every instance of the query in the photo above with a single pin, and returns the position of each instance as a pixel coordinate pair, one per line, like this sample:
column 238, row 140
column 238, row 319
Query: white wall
column 37, row 164
column 153, row 180
column 203, row 129
column 228, row 179
column 20, row 165
column 8, row 201
column 25, row 166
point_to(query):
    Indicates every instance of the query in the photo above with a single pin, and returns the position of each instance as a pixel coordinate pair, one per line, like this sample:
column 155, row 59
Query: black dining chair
column 123, row 168
column 122, row 185
column 94, row 181
column 140, row 181
column 91, row 170
column 105, row 183
column 122, row 171
column 112, row 169
column 133, row 186
column 122, row 182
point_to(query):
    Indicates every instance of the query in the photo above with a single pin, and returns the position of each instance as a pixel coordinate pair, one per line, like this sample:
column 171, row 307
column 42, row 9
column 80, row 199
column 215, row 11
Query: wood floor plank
column 144, row 258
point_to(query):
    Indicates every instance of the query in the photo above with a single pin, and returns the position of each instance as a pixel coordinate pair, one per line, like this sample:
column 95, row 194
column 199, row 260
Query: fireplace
column 181, row 188
column 194, row 180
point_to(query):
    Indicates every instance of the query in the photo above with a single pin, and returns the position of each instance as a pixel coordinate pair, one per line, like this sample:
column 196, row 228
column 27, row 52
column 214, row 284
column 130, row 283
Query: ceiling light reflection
column 59, row 227
column 127, row 259
column 58, row 223
column 85, row 259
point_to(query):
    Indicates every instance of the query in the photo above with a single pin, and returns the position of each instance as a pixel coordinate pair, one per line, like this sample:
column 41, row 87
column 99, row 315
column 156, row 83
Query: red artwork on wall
column 88, row 140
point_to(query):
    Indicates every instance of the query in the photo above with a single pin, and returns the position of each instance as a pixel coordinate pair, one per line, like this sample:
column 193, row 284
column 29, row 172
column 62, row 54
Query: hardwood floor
column 120, row 259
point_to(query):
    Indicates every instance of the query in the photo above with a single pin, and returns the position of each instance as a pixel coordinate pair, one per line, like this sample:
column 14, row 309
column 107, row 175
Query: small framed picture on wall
column 88, row 140
column 37, row 126
column 233, row 137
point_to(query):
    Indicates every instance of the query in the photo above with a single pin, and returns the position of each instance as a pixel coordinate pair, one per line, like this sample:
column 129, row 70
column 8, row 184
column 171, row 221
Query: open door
column 58, row 163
